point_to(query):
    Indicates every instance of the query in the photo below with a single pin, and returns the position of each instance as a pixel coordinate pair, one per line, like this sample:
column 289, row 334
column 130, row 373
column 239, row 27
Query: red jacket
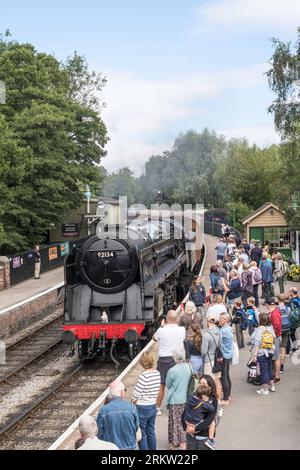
column 276, row 321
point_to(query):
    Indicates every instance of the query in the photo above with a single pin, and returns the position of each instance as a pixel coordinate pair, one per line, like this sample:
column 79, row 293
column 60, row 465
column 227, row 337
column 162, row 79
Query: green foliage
column 186, row 174
column 122, row 183
column 238, row 211
column 284, row 80
column 52, row 141
column 251, row 173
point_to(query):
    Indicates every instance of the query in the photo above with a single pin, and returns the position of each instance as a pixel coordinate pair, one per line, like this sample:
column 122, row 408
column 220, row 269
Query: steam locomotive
column 119, row 283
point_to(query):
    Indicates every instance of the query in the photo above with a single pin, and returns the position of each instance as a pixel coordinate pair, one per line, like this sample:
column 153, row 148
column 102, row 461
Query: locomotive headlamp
column 131, row 336
column 101, row 205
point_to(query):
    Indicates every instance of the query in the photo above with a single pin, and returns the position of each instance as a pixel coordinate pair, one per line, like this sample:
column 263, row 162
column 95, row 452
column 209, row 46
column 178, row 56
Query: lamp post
column 87, row 195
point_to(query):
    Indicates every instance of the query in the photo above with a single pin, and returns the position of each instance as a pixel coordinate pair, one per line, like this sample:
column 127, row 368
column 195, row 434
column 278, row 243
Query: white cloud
column 142, row 115
column 239, row 16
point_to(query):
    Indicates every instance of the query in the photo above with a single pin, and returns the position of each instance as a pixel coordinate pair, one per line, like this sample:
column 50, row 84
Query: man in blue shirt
column 118, row 421
column 267, row 276
column 221, row 248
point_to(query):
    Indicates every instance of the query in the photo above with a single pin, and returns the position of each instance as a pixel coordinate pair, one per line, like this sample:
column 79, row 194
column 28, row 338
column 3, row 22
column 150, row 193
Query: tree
column 185, row 174
column 61, row 131
column 122, row 183
column 238, row 211
column 251, row 174
column 284, row 80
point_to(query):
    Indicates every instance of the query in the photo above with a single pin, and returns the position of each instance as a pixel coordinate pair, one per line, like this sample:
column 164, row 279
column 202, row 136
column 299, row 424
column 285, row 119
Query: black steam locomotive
column 119, row 282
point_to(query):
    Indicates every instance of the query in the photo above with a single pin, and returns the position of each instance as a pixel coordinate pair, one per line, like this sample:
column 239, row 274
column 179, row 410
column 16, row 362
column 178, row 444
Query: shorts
column 276, row 354
column 285, row 340
column 208, row 371
column 164, row 364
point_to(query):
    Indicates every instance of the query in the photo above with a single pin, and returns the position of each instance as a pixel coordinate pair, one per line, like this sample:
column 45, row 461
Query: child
column 198, row 405
column 240, row 321
column 253, row 314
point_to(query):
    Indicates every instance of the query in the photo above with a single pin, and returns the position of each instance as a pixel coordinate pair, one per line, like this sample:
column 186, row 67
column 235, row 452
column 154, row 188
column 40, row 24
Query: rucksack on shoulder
column 218, row 359
column 267, row 340
column 257, row 277
column 295, row 316
column 285, row 320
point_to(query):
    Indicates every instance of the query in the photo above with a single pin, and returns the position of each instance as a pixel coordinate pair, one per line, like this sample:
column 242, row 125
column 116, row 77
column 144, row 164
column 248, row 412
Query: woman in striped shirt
column 144, row 397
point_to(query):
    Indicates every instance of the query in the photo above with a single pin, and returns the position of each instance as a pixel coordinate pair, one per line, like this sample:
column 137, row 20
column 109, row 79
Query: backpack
column 267, row 340
column 294, row 316
column 252, row 317
column 257, row 277
column 219, row 360
column 285, row 320
column 244, row 321
column 286, row 267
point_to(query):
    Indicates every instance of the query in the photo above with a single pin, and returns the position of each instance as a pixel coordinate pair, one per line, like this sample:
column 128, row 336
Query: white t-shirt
column 93, row 443
column 216, row 310
column 170, row 337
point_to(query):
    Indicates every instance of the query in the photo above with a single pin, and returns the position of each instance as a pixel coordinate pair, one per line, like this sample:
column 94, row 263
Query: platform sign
column 70, row 229
column 16, row 262
column 52, row 253
column 64, row 249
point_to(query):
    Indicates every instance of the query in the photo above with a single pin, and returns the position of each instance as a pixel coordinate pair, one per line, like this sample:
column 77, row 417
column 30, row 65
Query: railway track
column 45, row 418
column 27, row 350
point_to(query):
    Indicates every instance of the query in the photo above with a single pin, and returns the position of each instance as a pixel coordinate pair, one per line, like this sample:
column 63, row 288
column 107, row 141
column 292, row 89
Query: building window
column 278, row 236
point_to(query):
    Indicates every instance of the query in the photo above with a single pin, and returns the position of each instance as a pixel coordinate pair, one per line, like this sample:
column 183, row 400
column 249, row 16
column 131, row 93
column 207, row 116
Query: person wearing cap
column 211, row 339
column 276, row 320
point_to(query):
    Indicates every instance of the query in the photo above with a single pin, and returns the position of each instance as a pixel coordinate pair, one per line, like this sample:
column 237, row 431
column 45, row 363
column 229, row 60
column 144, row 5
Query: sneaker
column 272, row 388
column 281, row 369
column 276, row 380
column 262, row 391
column 220, row 412
column 211, row 444
column 159, row 412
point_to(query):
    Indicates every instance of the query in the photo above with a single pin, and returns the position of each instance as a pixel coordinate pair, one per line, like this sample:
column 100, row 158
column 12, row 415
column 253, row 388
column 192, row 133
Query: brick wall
column 16, row 320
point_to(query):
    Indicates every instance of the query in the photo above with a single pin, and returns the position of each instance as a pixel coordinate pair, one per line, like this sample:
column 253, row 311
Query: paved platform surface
column 252, row 421
column 27, row 289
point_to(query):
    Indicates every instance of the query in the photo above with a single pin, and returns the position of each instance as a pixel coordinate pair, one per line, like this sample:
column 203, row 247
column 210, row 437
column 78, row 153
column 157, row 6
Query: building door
column 257, row 233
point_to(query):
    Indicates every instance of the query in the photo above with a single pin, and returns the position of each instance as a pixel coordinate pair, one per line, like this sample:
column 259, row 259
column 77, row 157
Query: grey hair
column 115, row 389
column 87, row 426
column 190, row 307
column 179, row 355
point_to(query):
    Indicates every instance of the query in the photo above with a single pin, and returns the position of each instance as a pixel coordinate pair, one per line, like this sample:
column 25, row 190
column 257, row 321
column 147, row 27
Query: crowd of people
column 196, row 349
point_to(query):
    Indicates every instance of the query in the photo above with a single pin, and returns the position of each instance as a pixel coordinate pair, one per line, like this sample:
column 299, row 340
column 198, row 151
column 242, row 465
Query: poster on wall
column 52, row 253
column 64, row 249
column 70, row 229
column 16, row 262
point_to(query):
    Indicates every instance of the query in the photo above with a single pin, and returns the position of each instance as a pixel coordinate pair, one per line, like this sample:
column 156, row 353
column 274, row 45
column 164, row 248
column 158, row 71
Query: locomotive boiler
column 119, row 283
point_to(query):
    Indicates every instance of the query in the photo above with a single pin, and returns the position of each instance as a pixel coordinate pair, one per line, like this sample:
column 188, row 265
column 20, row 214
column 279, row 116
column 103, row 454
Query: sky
column 171, row 65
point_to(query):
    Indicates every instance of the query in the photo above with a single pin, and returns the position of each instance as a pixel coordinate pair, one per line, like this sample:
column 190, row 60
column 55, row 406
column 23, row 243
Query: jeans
column 267, row 290
column 147, row 417
column 193, row 444
column 225, row 379
column 239, row 335
column 281, row 284
column 255, row 294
